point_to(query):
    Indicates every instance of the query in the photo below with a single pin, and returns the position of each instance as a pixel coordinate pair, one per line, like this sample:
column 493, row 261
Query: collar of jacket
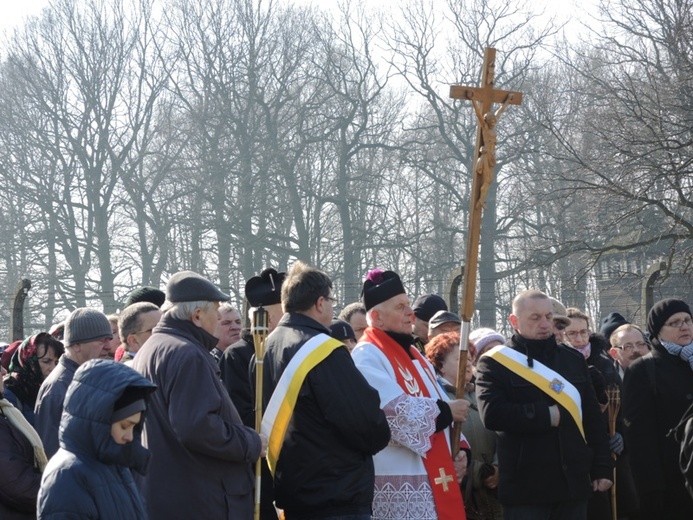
column 187, row 329
column 296, row 319
column 403, row 340
column 538, row 349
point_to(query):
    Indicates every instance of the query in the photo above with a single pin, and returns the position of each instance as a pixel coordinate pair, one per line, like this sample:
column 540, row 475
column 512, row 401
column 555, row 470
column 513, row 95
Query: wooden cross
column 483, row 98
column 443, row 479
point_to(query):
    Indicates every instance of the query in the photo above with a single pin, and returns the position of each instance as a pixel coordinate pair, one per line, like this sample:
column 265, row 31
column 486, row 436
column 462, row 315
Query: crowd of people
column 153, row 412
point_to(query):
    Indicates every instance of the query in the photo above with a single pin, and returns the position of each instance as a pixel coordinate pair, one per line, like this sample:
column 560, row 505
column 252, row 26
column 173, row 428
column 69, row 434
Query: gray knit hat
column 84, row 325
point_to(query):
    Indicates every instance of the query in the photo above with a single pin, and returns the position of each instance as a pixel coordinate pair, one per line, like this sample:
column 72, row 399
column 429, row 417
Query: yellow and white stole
column 544, row 378
column 281, row 406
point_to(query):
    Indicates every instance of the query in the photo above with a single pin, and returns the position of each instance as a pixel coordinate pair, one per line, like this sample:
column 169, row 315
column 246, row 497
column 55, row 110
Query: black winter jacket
column 89, row 476
column 235, row 373
column 19, row 479
column 326, row 464
column 538, row 463
column 654, row 400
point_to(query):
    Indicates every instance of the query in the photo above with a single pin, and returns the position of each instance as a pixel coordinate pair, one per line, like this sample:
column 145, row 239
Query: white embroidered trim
column 412, row 421
column 403, row 497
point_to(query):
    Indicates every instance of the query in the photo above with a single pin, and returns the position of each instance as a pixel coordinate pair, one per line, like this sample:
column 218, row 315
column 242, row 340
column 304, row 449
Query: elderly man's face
column 228, row 329
column 534, row 318
column 630, row 345
column 394, row 315
column 207, row 318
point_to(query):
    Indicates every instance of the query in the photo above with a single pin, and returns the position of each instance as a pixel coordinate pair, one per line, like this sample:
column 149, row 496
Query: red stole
column 438, row 461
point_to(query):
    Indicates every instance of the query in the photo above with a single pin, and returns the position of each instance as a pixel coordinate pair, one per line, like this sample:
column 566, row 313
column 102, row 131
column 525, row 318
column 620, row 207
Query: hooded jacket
column 90, row 475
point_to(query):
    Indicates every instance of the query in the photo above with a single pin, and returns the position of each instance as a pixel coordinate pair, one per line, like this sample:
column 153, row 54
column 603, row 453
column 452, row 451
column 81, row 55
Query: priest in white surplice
column 415, row 476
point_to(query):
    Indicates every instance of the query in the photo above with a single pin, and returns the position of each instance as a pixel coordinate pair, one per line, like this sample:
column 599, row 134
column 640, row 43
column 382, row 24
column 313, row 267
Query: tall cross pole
column 483, row 98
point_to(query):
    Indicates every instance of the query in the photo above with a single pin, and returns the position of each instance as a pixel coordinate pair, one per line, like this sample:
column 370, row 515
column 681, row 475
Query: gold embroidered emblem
column 443, row 479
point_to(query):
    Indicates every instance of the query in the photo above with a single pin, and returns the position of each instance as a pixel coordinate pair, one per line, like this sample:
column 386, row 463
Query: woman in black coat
column 90, row 475
column 21, row 461
column 657, row 390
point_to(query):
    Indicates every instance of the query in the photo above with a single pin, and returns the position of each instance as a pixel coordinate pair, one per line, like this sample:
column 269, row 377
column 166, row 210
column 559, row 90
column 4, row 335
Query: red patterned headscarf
column 25, row 376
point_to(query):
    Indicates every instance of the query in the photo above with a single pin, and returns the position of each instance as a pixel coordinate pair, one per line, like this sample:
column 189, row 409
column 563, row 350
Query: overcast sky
column 14, row 11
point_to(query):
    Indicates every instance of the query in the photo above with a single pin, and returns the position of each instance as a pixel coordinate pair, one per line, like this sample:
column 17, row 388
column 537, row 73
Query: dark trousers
column 560, row 511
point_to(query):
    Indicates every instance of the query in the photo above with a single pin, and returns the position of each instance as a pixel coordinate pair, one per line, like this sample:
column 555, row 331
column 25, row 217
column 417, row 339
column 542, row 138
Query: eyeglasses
column 576, row 333
column 148, row 331
column 332, row 299
column 677, row 324
column 560, row 325
column 628, row 347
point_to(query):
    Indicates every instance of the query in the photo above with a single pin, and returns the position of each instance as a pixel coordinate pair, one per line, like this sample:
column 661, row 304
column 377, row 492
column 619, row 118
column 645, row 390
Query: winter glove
column 616, row 443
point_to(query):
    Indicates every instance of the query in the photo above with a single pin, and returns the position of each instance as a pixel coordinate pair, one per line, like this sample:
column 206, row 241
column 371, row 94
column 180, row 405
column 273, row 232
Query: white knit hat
column 483, row 337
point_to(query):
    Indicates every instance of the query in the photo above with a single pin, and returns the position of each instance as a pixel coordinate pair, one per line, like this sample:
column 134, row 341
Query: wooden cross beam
column 483, row 98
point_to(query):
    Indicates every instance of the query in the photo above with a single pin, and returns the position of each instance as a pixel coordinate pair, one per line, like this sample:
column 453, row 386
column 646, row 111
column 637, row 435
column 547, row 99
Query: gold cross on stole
column 443, row 479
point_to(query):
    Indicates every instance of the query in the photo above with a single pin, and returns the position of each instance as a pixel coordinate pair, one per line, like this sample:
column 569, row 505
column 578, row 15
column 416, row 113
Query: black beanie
column 610, row 323
column 662, row 311
column 129, row 403
column 146, row 294
column 341, row 330
column 380, row 286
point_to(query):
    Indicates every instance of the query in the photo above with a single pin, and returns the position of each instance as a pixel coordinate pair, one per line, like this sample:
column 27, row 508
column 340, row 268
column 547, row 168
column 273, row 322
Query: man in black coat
column 237, row 365
column 546, row 463
column 325, row 466
column 264, row 290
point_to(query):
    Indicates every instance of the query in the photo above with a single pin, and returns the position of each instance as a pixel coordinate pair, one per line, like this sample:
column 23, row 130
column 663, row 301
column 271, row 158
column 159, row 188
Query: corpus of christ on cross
column 483, row 99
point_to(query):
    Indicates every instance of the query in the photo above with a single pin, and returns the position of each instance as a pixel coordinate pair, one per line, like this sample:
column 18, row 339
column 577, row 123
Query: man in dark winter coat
column 594, row 348
column 237, row 365
column 264, row 290
column 538, row 396
column 323, row 465
column 202, row 454
column 87, row 336
column 657, row 390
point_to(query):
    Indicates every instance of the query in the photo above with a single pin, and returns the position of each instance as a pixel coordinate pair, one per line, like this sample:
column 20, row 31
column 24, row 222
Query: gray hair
column 227, row 307
column 185, row 310
column 369, row 314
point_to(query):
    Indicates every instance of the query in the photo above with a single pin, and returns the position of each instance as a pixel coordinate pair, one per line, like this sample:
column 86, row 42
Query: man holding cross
column 552, row 441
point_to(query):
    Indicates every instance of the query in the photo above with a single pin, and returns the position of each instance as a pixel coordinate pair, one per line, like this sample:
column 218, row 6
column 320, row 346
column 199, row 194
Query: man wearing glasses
column 322, row 419
column 627, row 344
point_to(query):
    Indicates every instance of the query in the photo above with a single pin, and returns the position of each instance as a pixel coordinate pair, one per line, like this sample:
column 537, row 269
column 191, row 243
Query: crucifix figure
column 483, row 98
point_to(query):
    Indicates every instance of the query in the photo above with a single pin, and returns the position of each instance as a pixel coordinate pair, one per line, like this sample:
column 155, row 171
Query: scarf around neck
column 685, row 352
column 16, row 419
column 586, row 351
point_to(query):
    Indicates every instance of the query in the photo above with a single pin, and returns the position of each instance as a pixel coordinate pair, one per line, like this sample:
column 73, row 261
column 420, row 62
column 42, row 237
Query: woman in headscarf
column 30, row 364
column 22, row 460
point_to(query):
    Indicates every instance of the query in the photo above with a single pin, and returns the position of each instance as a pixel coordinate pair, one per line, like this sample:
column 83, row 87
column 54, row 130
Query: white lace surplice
column 402, row 489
